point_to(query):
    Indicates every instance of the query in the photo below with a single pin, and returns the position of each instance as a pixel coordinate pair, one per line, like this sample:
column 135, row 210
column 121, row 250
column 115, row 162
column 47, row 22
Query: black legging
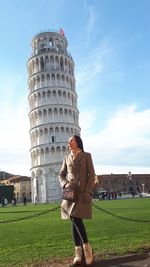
column 78, row 231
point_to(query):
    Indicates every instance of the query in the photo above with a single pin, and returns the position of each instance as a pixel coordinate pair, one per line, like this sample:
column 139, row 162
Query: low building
column 125, row 182
column 22, row 186
column 4, row 178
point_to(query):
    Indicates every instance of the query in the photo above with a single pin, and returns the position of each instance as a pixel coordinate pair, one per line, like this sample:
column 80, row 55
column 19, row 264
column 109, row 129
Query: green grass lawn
column 46, row 237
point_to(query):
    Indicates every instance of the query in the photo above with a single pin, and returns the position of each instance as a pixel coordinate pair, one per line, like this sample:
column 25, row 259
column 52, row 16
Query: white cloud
column 124, row 142
column 128, row 128
column 87, row 119
column 15, row 128
column 91, row 20
column 94, row 63
column 14, row 133
column 90, row 23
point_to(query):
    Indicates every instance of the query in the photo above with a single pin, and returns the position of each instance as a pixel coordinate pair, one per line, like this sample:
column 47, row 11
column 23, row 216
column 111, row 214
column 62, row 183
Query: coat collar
column 77, row 159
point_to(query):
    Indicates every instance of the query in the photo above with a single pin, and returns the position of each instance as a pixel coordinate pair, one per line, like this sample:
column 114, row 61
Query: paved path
column 128, row 261
column 142, row 260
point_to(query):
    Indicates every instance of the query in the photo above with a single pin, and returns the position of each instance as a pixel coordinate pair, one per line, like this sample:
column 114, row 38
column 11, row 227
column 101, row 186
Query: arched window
column 54, row 93
column 58, row 47
column 61, row 64
column 64, row 149
column 51, row 130
column 67, row 79
column 60, row 111
column 48, row 79
column 64, row 94
column 58, row 76
column 43, row 94
column 47, row 76
column 41, row 132
column 48, row 93
column 50, row 111
column 39, row 41
column 50, row 42
column 47, row 150
column 44, row 112
column 51, row 59
column 53, row 76
column 57, row 62
column 62, row 129
column 59, row 93
column 38, row 81
column 57, row 59
column 66, row 111
column 39, row 113
column 39, row 95
column 52, row 149
column 46, row 62
column 34, row 83
column 42, row 63
column 37, row 64
column 36, row 133
column 71, row 84
column 69, row 67
column 42, row 151
column 42, row 46
column 55, row 111
column 45, row 131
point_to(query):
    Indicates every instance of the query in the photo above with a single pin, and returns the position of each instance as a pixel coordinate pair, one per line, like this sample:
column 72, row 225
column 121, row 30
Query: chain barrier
column 58, row 207
column 30, row 216
column 120, row 217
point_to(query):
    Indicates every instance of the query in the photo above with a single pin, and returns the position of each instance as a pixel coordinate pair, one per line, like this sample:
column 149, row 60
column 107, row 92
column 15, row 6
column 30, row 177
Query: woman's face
column 73, row 144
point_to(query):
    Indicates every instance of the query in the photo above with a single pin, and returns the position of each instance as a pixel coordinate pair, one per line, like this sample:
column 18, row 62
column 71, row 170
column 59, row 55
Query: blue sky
column 109, row 41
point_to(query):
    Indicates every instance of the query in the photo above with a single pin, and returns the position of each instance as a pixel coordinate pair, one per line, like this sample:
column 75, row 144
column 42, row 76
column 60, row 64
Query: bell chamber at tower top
column 49, row 41
column 49, row 53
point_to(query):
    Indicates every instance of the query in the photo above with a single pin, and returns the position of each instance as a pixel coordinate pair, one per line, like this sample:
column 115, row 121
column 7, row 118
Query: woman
column 77, row 168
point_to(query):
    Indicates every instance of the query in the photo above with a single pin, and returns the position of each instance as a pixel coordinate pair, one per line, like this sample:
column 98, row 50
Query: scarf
column 74, row 154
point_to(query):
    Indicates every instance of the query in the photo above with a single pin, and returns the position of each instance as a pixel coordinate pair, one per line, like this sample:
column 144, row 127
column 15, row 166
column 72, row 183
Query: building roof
column 137, row 176
column 11, row 177
column 18, row 178
column 5, row 175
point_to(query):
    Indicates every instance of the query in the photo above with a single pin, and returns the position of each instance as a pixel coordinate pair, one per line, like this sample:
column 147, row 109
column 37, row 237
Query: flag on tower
column 62, row 32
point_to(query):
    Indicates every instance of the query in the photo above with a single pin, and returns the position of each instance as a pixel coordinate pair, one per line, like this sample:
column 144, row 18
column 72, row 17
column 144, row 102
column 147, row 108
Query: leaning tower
column 53, row 113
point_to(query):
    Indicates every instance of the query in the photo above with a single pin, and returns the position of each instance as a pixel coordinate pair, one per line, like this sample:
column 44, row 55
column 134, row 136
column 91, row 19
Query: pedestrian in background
column 24, row 201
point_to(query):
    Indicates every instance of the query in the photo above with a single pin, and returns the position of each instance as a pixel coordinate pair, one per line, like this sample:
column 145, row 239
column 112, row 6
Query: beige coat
column 81, row 169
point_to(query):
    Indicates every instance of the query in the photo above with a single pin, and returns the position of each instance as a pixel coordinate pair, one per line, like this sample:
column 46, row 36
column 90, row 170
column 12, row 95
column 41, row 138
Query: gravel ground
column 140, row 260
